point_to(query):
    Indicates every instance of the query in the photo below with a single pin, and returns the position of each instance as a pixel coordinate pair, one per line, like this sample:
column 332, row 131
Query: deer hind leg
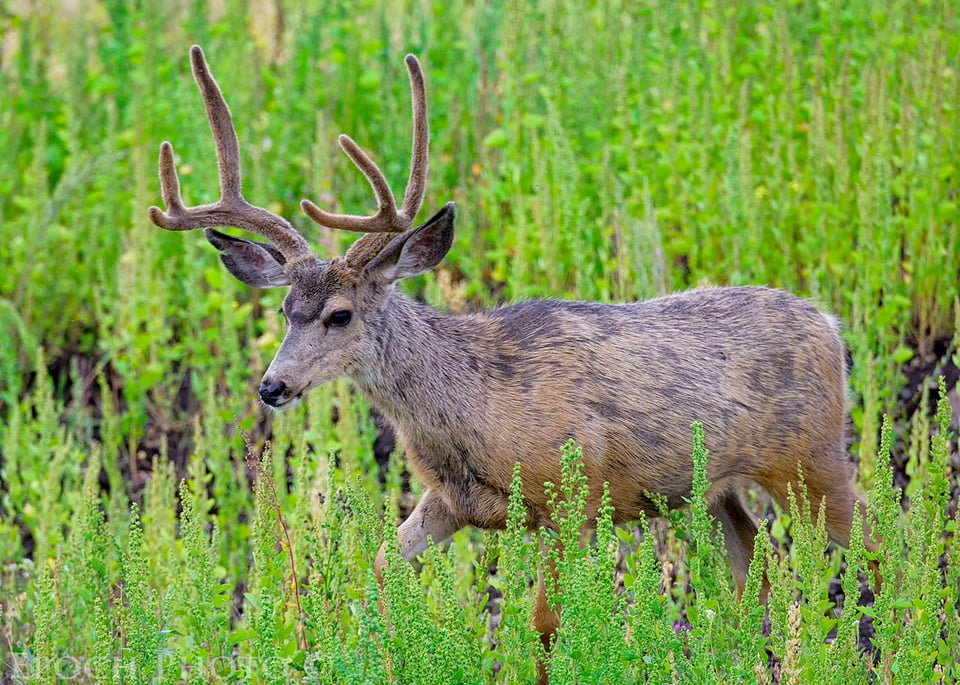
column 841, row 498
column 833, row 486
column 739, row 533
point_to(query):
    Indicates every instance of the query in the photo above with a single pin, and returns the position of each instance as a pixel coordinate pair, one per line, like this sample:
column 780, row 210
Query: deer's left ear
column 257, row 264
column 415, row 251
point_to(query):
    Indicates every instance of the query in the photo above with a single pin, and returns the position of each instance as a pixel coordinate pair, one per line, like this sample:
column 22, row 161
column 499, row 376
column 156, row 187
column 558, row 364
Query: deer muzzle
column 274, row 393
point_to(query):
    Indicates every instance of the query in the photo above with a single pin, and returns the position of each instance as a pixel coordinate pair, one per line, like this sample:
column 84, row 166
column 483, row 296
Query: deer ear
column 415, row 251
column 257, row 264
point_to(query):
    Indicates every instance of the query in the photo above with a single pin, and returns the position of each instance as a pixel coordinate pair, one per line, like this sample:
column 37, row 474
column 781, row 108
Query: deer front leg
column 432, row 519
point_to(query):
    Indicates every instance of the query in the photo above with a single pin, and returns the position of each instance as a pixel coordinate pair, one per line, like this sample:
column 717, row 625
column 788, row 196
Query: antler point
column 198, row 61
column 157, row 216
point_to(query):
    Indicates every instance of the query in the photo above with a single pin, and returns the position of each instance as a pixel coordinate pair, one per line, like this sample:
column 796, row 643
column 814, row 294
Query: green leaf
column 532, row 121
column 497, row 138
column 238, row 636
column 903, row 354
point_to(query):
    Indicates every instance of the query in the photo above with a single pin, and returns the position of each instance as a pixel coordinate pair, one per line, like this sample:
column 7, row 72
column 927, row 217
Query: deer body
column 470, row 396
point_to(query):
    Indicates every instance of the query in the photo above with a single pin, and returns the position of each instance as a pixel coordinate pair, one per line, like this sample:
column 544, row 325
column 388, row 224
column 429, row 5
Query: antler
column 387, row 219
column 231, row 209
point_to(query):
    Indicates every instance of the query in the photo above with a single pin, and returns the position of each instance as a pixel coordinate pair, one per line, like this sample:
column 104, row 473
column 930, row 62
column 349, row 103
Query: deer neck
column 425, row 367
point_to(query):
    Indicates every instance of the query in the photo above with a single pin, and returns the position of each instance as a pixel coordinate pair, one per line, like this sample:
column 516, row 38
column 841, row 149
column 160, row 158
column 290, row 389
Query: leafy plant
column 611, row 151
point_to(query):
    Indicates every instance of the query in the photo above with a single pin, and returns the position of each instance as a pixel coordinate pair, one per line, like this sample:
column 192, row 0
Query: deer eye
column 341, row 317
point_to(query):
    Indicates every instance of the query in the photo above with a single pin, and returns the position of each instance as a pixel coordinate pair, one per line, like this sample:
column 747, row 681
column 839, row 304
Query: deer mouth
column 288, row 403
column 278, row 396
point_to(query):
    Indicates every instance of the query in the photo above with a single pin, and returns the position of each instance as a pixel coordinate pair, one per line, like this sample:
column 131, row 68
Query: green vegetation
column 609, row 151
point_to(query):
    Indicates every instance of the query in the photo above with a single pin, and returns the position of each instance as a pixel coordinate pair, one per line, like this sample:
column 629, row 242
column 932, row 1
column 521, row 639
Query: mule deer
column 471, row 395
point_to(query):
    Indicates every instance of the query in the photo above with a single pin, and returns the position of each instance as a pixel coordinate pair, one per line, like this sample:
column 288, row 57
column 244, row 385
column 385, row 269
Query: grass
column 610, row 151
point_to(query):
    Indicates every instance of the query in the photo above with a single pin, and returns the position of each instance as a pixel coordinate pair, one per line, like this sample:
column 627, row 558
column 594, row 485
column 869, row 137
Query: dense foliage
column 609, row 150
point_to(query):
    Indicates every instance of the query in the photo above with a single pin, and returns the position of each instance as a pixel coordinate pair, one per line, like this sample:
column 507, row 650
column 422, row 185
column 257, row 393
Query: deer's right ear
column 257, row 264
column 416, row 251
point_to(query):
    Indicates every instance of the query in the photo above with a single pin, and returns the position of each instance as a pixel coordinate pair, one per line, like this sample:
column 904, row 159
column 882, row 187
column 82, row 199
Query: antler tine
column 420, row 156
column 387, row 218
column 231, row 209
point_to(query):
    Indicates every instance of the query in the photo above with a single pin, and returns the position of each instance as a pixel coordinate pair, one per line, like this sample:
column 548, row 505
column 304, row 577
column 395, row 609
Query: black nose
column 270, row 393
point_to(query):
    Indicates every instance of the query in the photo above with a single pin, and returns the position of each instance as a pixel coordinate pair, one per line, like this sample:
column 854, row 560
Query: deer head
column 334, row 308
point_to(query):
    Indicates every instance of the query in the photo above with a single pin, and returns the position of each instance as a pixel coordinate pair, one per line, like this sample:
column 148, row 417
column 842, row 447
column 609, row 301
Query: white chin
column 289, row 404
